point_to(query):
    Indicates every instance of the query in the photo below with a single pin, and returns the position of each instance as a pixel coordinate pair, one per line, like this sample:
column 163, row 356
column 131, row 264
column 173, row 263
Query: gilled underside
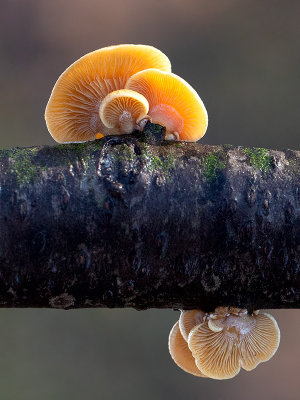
column 72, row 113
column 223, row 342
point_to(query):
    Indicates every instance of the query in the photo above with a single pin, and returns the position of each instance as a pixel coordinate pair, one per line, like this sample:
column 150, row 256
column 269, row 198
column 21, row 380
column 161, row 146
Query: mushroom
column 188, row 319
column 231, row 339
column 72, row 112
column 181, row 353
column 122, row 110
column 173, row 103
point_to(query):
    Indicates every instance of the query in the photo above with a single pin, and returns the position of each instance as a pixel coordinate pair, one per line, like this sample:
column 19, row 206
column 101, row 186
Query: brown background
column 243, row 58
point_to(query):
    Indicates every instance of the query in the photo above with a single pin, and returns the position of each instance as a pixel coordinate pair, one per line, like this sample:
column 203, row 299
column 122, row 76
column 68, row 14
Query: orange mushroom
column 72, row 112
column 173, row 103
column 229, row 340
column 122, row 110
column 181, row 353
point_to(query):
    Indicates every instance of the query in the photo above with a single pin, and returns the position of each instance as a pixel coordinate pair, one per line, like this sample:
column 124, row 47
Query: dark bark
column 124, row 223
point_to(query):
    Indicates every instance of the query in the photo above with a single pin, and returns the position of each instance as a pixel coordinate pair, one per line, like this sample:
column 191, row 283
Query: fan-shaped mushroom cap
column 216, row 353
column 123, row 109
column 188, row 319
column 72, row 112
column 181, row 353
column 173, row 103
column 260, row 344
column 226, row 342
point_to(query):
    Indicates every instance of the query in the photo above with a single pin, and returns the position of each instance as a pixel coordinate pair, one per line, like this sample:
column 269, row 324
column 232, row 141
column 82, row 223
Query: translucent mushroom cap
column 72, row 112
column 188, row 320
column 173, row 103
column 181, row 353
column 223, row 344
column 123, row 109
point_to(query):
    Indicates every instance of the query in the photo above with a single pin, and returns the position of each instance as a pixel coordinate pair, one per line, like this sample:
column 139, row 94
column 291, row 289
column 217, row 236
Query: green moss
column 259, row 158
column 124, row 153
column 156, row 163
column 22, row 165
column 73, row 151
column 69, row 154
column 212, row 167
column 164, row 164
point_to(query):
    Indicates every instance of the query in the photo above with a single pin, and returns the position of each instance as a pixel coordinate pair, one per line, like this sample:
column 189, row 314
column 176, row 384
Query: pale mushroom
column 181, row 353
column 188, row 320
column 227, row 341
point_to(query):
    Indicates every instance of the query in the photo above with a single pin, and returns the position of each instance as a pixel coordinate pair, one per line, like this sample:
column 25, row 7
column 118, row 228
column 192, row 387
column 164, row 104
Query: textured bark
column 124, row 223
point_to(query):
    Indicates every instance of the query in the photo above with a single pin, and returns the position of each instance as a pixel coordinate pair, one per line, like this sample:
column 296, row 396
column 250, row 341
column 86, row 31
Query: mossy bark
column 122, row 222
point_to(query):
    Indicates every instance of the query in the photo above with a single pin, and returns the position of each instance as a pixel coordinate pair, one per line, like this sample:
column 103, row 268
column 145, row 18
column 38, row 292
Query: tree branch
column 124, row 223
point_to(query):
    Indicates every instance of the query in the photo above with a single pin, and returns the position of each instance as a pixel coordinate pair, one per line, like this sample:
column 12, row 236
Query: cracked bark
column 125, row 223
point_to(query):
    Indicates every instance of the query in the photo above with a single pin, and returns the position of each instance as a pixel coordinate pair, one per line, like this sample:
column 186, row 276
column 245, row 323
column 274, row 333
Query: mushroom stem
column 172, row 136
column 140, row 125
column 126, row 122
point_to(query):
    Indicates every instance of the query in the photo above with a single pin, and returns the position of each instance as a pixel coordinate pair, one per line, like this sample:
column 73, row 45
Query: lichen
column 212, row 167
column 259, row 158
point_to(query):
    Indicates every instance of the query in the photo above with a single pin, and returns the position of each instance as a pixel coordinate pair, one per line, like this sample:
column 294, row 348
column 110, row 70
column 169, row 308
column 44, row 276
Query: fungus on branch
column 188, row 319
column 122, row 110
column 231, row 339
column 181, row 353
column 72, row 112
column 173, row 103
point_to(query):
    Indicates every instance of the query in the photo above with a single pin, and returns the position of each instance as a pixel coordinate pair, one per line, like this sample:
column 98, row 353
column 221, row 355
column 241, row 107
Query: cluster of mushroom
column 217, row 345
column 115, row 90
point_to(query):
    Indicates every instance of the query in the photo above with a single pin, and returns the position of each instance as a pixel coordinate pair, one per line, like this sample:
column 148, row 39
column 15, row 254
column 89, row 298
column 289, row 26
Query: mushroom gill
column 122, row 110
column 229, row 339
column 72, row 112
column 173, row 103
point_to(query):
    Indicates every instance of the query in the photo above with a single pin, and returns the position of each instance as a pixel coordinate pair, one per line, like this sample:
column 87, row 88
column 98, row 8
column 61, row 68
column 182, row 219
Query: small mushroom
column 122, row 110
column 229, row 339
column 188, row 320
column 72, row 112
column 173, row 103
column 181, row 353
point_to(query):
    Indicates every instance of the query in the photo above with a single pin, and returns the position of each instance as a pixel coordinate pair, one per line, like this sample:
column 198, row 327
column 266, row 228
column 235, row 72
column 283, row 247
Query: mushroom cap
column 72, row 112
column 225, row 343
column 216, row 353
column 123, row 107
column 173, row 103
column 261, row 343
column 188, row 319
column 181, row 353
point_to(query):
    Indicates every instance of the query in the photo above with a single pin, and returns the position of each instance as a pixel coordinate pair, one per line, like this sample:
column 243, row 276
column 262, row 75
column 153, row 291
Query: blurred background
column 242, row 56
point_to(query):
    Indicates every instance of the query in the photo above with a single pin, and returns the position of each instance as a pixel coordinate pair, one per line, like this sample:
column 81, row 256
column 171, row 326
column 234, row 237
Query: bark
column 123, row 222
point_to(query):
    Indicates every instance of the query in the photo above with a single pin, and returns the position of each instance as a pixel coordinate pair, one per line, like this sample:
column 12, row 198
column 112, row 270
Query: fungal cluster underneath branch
column 217, row 345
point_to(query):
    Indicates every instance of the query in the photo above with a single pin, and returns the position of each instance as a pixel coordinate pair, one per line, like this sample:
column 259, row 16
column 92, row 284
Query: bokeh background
column 243, row 58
